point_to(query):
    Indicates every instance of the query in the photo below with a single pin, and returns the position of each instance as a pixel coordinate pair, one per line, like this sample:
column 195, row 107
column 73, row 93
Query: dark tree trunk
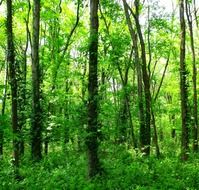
column 145, row 133
column 3, row 109
column 195, row 98
column 13, row 82
column 46, row 142
column 92, row 138
column 183, row 87
column 36, row 128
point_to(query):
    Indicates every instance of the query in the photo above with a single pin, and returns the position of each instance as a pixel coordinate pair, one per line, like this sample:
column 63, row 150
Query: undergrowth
column 122, row 170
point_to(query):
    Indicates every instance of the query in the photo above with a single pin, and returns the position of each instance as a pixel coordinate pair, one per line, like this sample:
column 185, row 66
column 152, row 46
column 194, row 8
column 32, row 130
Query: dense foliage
column 99, row 94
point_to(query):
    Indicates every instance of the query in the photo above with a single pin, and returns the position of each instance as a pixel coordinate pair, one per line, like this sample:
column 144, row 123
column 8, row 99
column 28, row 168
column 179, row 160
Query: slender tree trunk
column 22, row 100
column 135, row 145
column 83, row 108
column 155, row 134
column 183, row 87
column 13, row 82
column 153, row 121
column 66, row 115
column 22, row 87
column 123, row 114
column 36, row 128
column 145, row 130
column 195, row 98
column 3, row 109
column 116, row 104
column 145, row 133
column 138, row 67
column 92, row 138
column 60, row 59
column 123, row 118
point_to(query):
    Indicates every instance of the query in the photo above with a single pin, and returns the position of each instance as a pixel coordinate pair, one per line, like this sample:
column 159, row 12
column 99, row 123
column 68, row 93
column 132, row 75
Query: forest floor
column 122, row 170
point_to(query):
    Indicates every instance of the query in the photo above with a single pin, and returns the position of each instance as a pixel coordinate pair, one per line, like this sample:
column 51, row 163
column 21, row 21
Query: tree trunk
column 195, row 98
column 92, row 138
column 138, row 67
column 22, row 88
column 155, row 137
column 123, row 118
column 3, row 109
column 66, row 115
column 36, row 128
column 13, row 82
column 183, row 87
column 145, row 131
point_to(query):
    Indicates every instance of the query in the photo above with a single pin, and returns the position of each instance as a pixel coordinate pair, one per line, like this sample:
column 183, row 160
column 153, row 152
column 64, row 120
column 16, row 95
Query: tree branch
column 72, row 31
column 162, row 79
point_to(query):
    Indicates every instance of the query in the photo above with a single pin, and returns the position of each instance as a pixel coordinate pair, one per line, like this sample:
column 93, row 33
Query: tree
column 118, row 51
column 183, row 86
column 138, row 66
column 36, row 128
column 92, row 136
column 13, row 83
column 3, row 110
column 22, row 59
column 194, row 71
column 145, row 134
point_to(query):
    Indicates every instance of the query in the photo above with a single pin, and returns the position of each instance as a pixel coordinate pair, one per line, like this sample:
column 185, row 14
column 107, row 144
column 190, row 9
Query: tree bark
column 13, row 82
column 3, row 109
column 36, row 128
column 145, row 133
column 183, row 86
column 92, row 136
column 195, row 98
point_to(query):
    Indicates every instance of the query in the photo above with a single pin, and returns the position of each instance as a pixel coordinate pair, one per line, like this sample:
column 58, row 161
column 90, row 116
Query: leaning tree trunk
column 13, row 82
column 92, row 137
column 36, row 128
column 183, row 87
